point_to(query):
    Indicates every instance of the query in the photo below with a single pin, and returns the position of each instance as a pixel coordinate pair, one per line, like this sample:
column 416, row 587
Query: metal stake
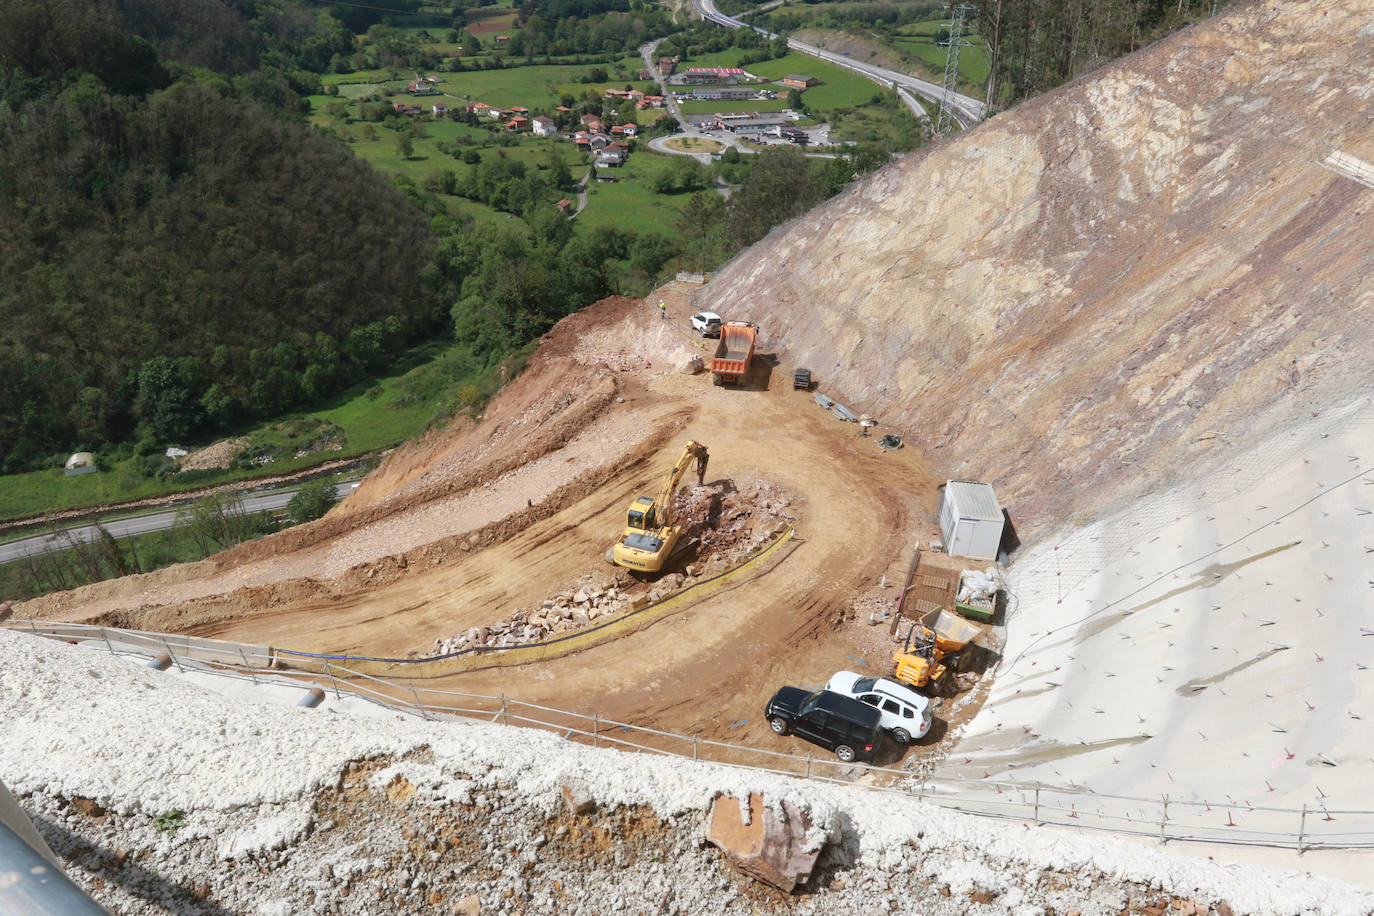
column 1164, row 817
column 1302, row 828
column 1037, row 805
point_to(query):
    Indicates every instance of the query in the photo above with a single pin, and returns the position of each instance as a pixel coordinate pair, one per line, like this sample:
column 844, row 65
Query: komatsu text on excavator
column 650, row 535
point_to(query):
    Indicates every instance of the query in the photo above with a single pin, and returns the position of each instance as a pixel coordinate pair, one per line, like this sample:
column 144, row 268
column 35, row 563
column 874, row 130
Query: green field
column 630, row 202
column 839, row 87
column 973, row 58
column 374, row 415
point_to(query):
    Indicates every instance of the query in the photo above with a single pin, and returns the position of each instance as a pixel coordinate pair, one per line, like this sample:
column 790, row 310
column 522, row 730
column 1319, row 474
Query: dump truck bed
column 952, row 632
column 735, row 350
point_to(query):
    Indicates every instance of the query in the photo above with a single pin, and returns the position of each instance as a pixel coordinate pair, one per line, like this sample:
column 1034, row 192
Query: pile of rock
column 556, row 616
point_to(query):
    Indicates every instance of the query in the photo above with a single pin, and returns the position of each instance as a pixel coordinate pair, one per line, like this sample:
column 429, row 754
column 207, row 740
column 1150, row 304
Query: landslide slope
column 1146, row 270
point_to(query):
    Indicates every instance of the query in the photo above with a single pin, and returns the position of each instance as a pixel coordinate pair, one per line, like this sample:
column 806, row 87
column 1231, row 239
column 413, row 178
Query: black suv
column 837, row 723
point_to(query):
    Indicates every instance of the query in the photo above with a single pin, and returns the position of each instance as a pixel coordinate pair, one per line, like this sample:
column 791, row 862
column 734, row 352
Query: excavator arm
column 664, row 504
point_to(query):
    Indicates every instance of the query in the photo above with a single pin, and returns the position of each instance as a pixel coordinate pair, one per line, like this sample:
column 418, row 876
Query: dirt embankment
column 1146, row 270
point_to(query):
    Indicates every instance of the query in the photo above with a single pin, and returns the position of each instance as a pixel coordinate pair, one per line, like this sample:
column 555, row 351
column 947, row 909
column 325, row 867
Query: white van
column 906, row 713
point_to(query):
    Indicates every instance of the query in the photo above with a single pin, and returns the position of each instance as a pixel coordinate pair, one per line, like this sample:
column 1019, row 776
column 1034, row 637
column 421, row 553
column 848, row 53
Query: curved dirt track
column 470, row 557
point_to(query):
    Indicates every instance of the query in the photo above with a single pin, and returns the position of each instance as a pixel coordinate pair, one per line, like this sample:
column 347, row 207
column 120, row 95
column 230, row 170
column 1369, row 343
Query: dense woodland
column 181, row 253
column 1035, row 45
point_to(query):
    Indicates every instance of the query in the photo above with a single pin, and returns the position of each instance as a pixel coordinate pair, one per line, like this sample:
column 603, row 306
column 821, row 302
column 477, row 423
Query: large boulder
column 770, row 848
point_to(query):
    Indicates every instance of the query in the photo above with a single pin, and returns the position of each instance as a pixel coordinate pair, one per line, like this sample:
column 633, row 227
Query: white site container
column 971, row 520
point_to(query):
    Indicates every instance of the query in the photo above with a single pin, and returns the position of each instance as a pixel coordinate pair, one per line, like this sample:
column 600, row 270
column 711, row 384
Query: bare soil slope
column 1143, row 271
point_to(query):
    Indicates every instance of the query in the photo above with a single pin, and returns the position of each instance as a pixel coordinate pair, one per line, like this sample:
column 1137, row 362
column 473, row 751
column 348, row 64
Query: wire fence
column 1165, row 818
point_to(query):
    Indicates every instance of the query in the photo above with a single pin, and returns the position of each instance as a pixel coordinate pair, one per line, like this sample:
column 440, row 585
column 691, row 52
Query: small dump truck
column 730, row 365
column 931, row 648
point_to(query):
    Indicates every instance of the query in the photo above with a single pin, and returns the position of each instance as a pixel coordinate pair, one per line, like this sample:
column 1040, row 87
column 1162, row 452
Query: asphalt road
column 967, row 110
column 270, row 500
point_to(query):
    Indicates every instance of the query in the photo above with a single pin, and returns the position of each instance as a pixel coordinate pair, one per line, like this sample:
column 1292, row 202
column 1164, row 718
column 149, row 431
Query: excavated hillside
column 1104, row 302
column 1146, row 270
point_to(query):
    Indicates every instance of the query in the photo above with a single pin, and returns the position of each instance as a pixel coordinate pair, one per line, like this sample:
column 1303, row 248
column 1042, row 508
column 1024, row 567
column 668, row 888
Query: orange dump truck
column 734, row 352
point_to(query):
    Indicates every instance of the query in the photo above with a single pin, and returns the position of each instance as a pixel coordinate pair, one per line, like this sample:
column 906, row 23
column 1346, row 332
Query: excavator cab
column 641, row 514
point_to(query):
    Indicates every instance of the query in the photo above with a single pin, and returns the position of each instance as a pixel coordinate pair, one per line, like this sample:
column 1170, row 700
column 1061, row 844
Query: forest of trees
column 179, row 255
column 1035, row 45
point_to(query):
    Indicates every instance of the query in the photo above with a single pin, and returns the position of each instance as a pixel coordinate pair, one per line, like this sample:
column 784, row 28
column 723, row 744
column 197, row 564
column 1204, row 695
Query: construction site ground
column 486, row 519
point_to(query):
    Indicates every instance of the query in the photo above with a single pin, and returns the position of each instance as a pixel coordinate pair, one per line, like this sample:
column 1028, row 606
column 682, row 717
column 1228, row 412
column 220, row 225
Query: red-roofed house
column 590, row 119
column 632, row 130
column 517, row 123
column 543, row 126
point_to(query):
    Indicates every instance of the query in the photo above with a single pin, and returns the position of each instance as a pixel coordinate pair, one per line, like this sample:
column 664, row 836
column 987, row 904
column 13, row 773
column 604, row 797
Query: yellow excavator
column 650, row 535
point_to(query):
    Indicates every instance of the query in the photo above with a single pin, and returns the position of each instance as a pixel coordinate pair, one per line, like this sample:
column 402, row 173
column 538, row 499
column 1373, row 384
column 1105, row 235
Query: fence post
column 105, row 636
column 333, row 683
column 1037, row 804
column 596, row 729
column 1163, row 818
column 505, row 719
column 172, row 653
column 421, row 706
column 1302, row 828
column 694, row 747
column 248, row 666
column 808, row 764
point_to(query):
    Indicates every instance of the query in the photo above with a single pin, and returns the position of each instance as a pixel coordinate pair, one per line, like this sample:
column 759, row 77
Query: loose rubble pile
column 727, row 524
column 377, row 843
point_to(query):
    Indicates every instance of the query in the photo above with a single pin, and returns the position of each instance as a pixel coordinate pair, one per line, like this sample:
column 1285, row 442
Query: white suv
column 906, row 714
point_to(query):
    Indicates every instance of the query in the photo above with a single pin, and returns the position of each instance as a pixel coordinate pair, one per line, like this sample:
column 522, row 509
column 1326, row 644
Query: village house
column 517, row 123
column 800, row 81
column 440, row 110
column 612, row 158
column 424, row 86
column 543, row 126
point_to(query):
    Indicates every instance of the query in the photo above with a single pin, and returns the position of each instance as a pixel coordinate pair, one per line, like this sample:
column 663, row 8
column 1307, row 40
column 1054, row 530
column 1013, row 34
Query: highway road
column 967, row 110
column 266, row 500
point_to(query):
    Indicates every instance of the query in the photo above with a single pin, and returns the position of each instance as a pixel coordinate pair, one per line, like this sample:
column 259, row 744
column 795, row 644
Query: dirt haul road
column 515, row 537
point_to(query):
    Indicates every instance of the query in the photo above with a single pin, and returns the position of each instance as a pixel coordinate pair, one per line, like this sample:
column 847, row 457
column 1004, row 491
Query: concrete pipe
column 161, row 663
column 313, row 697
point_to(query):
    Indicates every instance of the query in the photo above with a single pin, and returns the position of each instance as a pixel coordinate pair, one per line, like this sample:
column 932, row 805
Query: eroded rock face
column 1147, row 269
column 770, row 848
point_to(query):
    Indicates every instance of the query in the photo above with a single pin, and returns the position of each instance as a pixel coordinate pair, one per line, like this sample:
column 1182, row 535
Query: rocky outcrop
column 1146, row 270
column 772, row 846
